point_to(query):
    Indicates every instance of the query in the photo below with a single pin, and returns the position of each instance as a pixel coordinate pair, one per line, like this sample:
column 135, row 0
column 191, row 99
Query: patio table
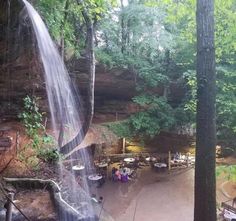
column 78, row 167
column 95, row 177
column 129, row 160
column 151, row 159
column 160, row 165
column 102, row 165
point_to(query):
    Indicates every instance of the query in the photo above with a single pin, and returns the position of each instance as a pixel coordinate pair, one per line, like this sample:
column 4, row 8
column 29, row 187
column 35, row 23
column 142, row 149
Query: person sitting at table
column 176, row 156
column 113, row 173
column 124, row 175
column 118, row 174
column 136, row 158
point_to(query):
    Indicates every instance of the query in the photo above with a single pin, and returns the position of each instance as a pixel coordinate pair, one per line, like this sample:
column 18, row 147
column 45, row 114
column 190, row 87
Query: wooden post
column 187, row 159
column 9, row 207
column 169, row 160
column 123, row 144
column 17, row 142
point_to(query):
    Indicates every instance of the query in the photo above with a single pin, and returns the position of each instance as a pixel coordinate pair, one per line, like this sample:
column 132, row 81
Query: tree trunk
column 62, row 41
column 123, row 32
column 205, row 190
column 90, row 57
column 90, row 67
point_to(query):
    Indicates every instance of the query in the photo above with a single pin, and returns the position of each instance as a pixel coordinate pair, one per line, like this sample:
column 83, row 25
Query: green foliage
column 121, row 128
column 146, row 30
column 184, row 116
column 65, row 20
column 61, row 19
column 156, row 41
column 158, row 115
column 49, row 155
column 144, row 35
column 42, row 143
column 191, row 96
column 135, row 37
column 225, row 102
column 226, row 105
column 105, row 58
column 32, row 119
column 225, row 19
column 181, row 17
column 181, row 14
column 227, row 172
column 31, row 161
column 97, row 8
column 31, row 116
column 151, row 78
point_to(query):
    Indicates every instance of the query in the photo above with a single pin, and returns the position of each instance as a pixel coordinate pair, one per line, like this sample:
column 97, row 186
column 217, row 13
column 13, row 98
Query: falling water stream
column 63, row 100
column 62, row 96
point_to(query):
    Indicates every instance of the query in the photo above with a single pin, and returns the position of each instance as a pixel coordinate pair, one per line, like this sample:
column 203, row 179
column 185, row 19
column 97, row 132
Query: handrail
column 228, row 207
column 8, row 198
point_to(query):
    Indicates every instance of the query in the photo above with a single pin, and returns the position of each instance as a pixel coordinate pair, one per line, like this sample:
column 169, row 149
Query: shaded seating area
column 124, row 167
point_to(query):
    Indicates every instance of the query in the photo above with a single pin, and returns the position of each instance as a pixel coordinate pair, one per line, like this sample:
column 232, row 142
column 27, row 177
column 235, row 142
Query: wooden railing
column 228, row 207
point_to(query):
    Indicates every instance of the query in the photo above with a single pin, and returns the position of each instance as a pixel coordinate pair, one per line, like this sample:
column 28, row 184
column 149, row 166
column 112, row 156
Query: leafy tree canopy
column 156, row 41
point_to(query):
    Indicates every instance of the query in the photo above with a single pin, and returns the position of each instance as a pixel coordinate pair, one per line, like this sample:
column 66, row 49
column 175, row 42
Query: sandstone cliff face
column 19, row 66
column 114, row 90
column 21, row 73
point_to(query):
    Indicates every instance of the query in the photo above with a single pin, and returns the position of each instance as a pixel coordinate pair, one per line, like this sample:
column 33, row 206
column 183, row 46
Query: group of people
column 121, row 174
column 177, row 156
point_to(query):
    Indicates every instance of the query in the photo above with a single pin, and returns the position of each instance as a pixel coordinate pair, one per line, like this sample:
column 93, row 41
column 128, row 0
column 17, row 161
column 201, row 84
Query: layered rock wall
column 21, row 73
column 19, row 65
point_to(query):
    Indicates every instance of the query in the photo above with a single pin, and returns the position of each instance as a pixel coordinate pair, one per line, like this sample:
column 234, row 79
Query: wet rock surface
column 21, row 73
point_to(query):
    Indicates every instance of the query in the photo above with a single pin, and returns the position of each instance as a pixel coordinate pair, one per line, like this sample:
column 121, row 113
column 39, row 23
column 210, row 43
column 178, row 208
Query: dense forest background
column 156, row 42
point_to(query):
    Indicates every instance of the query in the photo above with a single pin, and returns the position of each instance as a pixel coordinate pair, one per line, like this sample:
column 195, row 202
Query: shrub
column 50, row 155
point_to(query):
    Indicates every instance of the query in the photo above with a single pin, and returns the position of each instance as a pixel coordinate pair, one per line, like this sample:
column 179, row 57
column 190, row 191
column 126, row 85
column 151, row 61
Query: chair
column 124, row 178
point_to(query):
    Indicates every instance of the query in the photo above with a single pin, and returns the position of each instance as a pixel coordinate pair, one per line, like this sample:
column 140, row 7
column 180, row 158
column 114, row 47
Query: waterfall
column 63, row 101
column 62, row 96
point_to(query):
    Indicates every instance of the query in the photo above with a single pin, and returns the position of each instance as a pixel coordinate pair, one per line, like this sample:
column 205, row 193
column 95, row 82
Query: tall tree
column 205, row 192
column 90, row 16
column 63, row 22
column 123, row 34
